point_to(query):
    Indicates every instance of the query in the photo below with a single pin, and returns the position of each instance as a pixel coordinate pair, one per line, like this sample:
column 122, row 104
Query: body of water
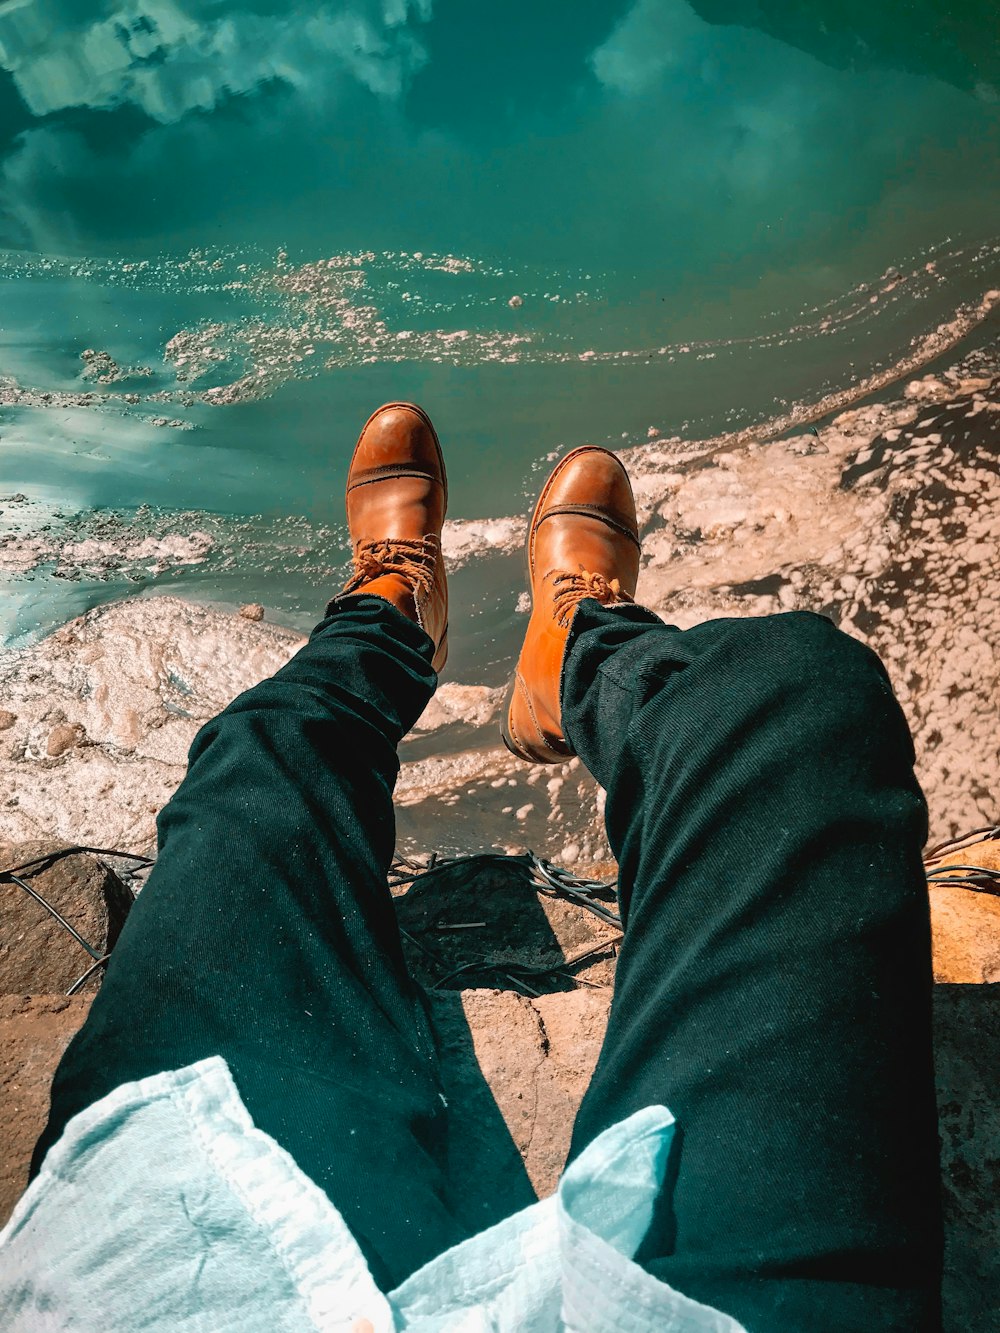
column 229, row 232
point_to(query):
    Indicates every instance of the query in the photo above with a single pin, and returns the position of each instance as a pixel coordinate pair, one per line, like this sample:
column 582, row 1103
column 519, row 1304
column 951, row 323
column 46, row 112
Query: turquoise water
column 547, row 222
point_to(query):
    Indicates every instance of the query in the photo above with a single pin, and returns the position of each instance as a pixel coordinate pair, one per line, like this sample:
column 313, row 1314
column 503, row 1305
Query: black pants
column 773, row 987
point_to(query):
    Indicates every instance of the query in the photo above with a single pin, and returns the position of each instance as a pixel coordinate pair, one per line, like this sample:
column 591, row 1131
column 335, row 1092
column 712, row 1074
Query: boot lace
column 573, row 588
column 413, row 559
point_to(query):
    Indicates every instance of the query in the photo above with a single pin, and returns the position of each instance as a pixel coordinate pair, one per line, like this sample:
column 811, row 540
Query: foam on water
column 290, row 321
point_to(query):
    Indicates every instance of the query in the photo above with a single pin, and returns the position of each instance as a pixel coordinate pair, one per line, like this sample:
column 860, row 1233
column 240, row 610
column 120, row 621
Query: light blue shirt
column 163, row 1207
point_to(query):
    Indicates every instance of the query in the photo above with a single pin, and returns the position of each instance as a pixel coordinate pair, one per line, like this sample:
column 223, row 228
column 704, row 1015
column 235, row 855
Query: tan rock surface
column 966, row 924
column 537, row 1055
column 34, row 1032
column 37, row 953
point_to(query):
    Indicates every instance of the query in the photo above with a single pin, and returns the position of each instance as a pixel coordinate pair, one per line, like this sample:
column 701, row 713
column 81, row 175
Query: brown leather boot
column 583, row 542
column 397, row 495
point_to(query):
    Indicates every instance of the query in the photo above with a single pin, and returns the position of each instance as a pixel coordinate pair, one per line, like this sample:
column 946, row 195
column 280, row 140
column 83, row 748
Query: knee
column 808, row 657
column 827, row 696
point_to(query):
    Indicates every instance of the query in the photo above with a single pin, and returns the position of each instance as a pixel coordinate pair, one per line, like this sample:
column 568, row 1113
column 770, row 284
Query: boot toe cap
column 399, row 433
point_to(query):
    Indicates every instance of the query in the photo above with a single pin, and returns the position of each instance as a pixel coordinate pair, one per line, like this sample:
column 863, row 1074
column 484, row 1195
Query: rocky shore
column 885, row 518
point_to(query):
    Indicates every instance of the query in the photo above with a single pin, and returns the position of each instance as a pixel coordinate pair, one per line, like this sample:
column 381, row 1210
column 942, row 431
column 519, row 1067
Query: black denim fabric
column 266, row 934
column 773, row 986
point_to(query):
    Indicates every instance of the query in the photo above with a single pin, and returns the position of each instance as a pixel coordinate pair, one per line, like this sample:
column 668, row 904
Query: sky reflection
column 609, row 134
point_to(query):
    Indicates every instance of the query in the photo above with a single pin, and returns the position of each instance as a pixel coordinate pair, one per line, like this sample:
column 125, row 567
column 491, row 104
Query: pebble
column 63, row 737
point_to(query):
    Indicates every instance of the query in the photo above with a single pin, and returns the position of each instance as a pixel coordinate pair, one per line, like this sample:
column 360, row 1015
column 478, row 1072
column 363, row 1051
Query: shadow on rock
column 516, row 1053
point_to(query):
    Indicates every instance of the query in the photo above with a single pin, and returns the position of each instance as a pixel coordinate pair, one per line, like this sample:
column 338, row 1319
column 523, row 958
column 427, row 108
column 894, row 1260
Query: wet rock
column 252, row 611
column 466, row 801
column 475, row 705
column 140, row 677
column 804, row 446
column 135, row 681
column 928, row 389
column 466, row 539
column 110, row 549
column 103, row 368
column 37, row 953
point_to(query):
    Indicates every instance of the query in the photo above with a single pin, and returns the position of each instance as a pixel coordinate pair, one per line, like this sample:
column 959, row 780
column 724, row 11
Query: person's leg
column 266, row 932
column 774, row 983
